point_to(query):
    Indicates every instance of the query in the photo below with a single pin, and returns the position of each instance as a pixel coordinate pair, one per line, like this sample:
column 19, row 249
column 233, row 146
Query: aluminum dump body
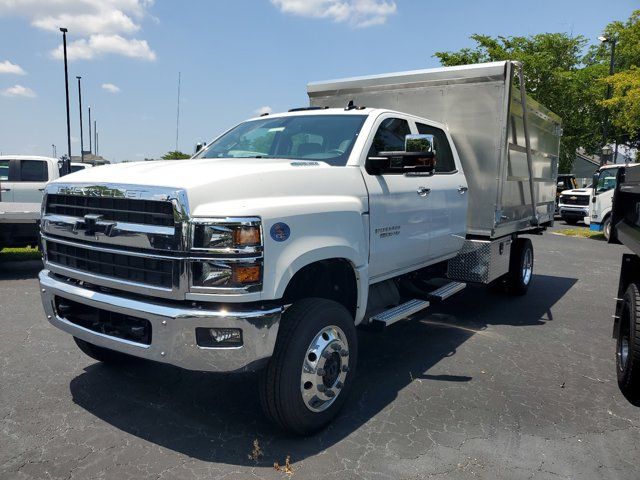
column 482, row 108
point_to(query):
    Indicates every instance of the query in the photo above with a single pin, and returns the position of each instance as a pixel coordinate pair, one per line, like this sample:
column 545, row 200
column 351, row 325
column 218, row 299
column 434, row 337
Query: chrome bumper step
column 395, row 314
column 447, row 291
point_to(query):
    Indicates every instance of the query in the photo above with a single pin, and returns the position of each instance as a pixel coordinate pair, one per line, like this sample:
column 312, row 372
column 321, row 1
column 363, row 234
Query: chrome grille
column 154, row 272
column 143, row 212
column 582, row 200
column 129, row 237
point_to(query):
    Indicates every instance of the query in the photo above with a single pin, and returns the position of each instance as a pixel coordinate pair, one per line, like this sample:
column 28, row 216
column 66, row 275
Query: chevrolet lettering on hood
column 99, row 191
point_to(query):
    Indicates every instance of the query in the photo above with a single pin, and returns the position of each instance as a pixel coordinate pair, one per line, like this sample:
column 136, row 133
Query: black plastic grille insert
column 151, row 271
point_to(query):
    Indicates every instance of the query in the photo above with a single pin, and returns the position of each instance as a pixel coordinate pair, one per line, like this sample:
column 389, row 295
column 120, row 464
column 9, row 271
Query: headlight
column 221, row 274
column 239, row 242
column 227, row 235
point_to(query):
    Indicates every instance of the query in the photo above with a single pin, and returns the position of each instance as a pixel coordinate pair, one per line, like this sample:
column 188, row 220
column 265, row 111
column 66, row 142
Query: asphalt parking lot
column 485, row 386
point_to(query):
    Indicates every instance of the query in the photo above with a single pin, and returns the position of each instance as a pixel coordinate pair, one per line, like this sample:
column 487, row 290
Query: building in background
column 90, row 158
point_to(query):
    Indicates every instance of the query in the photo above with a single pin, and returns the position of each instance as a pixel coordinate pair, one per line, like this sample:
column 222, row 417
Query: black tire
column 281, row 381
column 570, row 221
column 607, row 229
column 628, row 367
column 102, row 354
column 518, row 280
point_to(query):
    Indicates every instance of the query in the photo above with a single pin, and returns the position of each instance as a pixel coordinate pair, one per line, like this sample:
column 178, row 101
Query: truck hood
column 577, row 191
column 238, row 186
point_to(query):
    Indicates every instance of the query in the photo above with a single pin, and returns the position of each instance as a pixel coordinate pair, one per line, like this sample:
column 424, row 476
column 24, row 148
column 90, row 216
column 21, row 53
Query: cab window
column 390, row 136
column 4, row 170
column 444, row 156
column 606, row 180
column 33, row 171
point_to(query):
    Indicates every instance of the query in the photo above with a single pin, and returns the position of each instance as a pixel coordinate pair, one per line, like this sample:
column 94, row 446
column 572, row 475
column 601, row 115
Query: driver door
column 399, row 207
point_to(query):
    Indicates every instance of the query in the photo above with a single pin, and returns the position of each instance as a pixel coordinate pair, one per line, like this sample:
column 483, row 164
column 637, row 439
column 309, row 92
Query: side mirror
column 199, row 147
column 419, row 156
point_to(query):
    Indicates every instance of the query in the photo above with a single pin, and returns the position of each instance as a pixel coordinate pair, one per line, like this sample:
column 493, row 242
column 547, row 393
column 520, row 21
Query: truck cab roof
column 27, row 157
column 366, row 111
column 618, row 165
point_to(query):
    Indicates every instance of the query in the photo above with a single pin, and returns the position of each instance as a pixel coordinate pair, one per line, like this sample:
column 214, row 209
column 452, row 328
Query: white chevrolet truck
column 22, row 182
column 268, row 248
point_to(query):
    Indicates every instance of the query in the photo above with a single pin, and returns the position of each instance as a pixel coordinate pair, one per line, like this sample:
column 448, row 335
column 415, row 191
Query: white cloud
column 8, row 67
column 98, row 45
column 111, row 88
column 357, row 13
column 19, row 91
column 111, row 22
column 102, row 24
column 263, row 110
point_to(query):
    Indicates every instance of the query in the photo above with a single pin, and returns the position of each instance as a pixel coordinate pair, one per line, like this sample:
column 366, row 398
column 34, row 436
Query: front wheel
column 312, row 368
column 520, row 266
column 628, row 345
column 607, row 229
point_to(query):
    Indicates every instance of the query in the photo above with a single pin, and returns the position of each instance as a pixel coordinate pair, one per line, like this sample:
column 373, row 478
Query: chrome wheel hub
column 623, row 352
column 527, row 267
column 324, row 369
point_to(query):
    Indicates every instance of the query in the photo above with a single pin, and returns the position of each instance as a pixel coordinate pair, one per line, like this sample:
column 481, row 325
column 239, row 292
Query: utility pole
column 178, row 114
column 90, row 150
column 80, row 104
column 66, row 87
column 612, row 41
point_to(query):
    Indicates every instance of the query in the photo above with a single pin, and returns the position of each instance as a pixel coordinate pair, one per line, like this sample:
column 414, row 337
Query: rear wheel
column 520, row 266
column 102, row 354
column 628, row 345
column 311, row 372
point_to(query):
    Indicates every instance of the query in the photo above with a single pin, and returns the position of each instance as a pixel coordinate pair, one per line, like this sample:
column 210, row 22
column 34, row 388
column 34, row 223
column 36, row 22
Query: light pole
column 66, row 88
column 612, row 41
column 90, row 150
column 53, row 150
column 607, row 154
column 80, row 104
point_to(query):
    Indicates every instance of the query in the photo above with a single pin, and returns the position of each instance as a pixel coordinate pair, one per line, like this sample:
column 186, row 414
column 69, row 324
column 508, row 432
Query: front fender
column 334, row 235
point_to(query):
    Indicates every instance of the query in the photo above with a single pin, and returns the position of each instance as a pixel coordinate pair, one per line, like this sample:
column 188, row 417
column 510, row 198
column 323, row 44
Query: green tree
column 627, row 36
column 175, row 155
column 623, row 107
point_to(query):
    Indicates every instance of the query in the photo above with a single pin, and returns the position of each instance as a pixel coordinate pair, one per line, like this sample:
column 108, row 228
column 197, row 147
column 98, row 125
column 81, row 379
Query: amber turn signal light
column 246, row 236
column 245, row 274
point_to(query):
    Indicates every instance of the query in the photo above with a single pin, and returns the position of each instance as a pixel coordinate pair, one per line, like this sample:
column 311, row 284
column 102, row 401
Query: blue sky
column 234, row 57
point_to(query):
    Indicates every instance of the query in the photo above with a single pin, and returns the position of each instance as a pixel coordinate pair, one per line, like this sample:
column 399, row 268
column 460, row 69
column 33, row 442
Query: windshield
column 326, row 138
column 606, row 180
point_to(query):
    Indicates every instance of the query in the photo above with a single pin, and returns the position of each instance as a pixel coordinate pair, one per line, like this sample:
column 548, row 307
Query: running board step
column 395, row 314
column 446, row 291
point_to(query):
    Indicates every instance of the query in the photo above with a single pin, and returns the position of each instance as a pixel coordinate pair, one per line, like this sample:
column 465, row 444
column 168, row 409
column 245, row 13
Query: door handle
column 423, row 191
column 41, row 189
column 462, row 190
column 5, row 190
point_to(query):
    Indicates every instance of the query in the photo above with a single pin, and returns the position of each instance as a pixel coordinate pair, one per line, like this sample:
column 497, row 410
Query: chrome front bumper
column 574, row 211
column 173, row 328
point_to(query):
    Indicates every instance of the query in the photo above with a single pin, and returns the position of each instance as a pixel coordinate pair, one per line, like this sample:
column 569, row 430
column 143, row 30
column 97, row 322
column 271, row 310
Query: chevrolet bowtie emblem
column 93, row 223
